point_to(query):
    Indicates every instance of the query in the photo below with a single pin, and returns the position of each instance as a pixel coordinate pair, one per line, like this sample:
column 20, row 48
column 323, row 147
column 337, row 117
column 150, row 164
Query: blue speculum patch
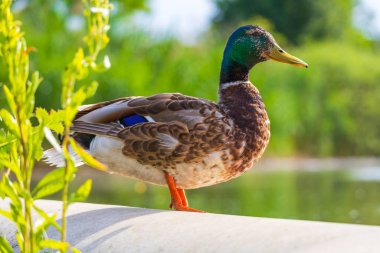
column 132, row 120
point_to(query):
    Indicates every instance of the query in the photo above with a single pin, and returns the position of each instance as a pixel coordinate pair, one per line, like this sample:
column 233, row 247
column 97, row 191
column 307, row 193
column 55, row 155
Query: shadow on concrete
column 94, row 244
column 83, row 225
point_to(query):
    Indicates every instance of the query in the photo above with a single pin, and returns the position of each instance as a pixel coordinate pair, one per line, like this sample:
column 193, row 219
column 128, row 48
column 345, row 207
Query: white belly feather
column 187, row 175
column 108, row 150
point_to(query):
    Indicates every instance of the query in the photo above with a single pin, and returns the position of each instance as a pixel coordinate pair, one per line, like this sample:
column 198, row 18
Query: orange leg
column 182, row 195
column 178, row 197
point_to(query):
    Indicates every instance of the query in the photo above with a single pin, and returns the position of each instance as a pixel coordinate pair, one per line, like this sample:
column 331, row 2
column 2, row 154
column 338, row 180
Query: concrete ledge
column 105, row 228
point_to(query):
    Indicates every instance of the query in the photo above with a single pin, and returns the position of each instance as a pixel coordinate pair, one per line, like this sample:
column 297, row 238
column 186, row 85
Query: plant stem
column 65, row 148
column 95, row 40
column 65, row 191
column 26, row 172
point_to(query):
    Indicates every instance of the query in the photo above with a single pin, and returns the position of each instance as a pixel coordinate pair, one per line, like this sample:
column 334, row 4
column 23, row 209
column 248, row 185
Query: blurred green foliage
column 296, row 19
column 330, row 109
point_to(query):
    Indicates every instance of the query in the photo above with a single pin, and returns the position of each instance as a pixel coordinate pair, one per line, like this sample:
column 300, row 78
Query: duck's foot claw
column 187, row 209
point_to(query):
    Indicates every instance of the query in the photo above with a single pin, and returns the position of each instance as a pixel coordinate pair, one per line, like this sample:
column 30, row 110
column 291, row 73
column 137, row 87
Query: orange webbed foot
column 178, row 197
column 188, row 209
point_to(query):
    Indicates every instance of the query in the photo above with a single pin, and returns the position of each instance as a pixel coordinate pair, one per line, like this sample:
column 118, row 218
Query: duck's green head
column 249, row 45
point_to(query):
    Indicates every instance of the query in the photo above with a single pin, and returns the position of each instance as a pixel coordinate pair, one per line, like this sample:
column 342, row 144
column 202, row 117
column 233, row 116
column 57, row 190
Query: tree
column 293, row 18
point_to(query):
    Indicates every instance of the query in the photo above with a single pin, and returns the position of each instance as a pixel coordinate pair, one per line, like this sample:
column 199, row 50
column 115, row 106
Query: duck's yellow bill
column 278, row 54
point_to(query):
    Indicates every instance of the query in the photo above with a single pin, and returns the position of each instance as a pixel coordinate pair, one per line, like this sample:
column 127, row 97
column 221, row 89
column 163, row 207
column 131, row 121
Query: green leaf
column 82, row 193
column 33, row 85
column 7, row 187
column 20, row 241
column 5, row 246
column 49, row 184
column 75, row 250
column 71, row 169
column 52, row 120
column 4, row 143
column 6, row 139
column 36, row 142
column 4, row 159
column 91, row 89
column 10, row 160
column 6, row 214
column 55, row 121
column 53, row 244
column 9, row 122
column 42, row 224
column 50, row 218
column 30, row 92
column 79, row 65
column 86, row 157
column 42, row 114
column 18, row 217
column 10, row 99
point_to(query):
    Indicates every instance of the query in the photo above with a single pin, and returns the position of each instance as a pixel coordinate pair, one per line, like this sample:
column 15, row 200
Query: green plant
column 97, row 15
column 24, row 128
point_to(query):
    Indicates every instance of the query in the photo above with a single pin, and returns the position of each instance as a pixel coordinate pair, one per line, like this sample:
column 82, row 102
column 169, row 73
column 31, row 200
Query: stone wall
column 105, row 228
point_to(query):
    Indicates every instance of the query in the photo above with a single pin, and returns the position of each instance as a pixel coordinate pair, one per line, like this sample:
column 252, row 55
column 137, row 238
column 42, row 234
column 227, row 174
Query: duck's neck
column 238, row 98
column 235, row 64
column 231, row 71
column 242, row 102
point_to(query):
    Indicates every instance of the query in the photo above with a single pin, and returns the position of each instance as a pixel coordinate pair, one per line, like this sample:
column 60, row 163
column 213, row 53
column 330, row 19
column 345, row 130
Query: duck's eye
column 280, row 50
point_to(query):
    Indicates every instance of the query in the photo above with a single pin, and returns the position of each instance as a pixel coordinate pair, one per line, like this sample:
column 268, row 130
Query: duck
column 185, row 142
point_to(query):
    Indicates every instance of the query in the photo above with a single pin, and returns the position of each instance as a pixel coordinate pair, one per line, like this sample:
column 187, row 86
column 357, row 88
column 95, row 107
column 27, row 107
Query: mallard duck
column 181, row 141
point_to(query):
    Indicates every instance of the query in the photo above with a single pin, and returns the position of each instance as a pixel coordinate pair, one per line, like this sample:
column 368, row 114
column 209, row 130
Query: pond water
column 334, row 195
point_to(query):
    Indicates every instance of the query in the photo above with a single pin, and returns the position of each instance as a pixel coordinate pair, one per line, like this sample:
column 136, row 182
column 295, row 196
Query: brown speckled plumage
column 237, row 128
column 244, row 105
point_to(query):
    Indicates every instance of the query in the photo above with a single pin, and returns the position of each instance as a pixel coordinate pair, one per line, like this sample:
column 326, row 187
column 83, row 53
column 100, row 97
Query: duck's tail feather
column 55, row 158
column 110, row 129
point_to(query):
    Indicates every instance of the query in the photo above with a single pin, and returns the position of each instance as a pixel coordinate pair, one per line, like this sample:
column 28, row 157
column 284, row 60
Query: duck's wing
column 175, row 122
column 155, row 143
column 104, row 112
column 165, row 107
